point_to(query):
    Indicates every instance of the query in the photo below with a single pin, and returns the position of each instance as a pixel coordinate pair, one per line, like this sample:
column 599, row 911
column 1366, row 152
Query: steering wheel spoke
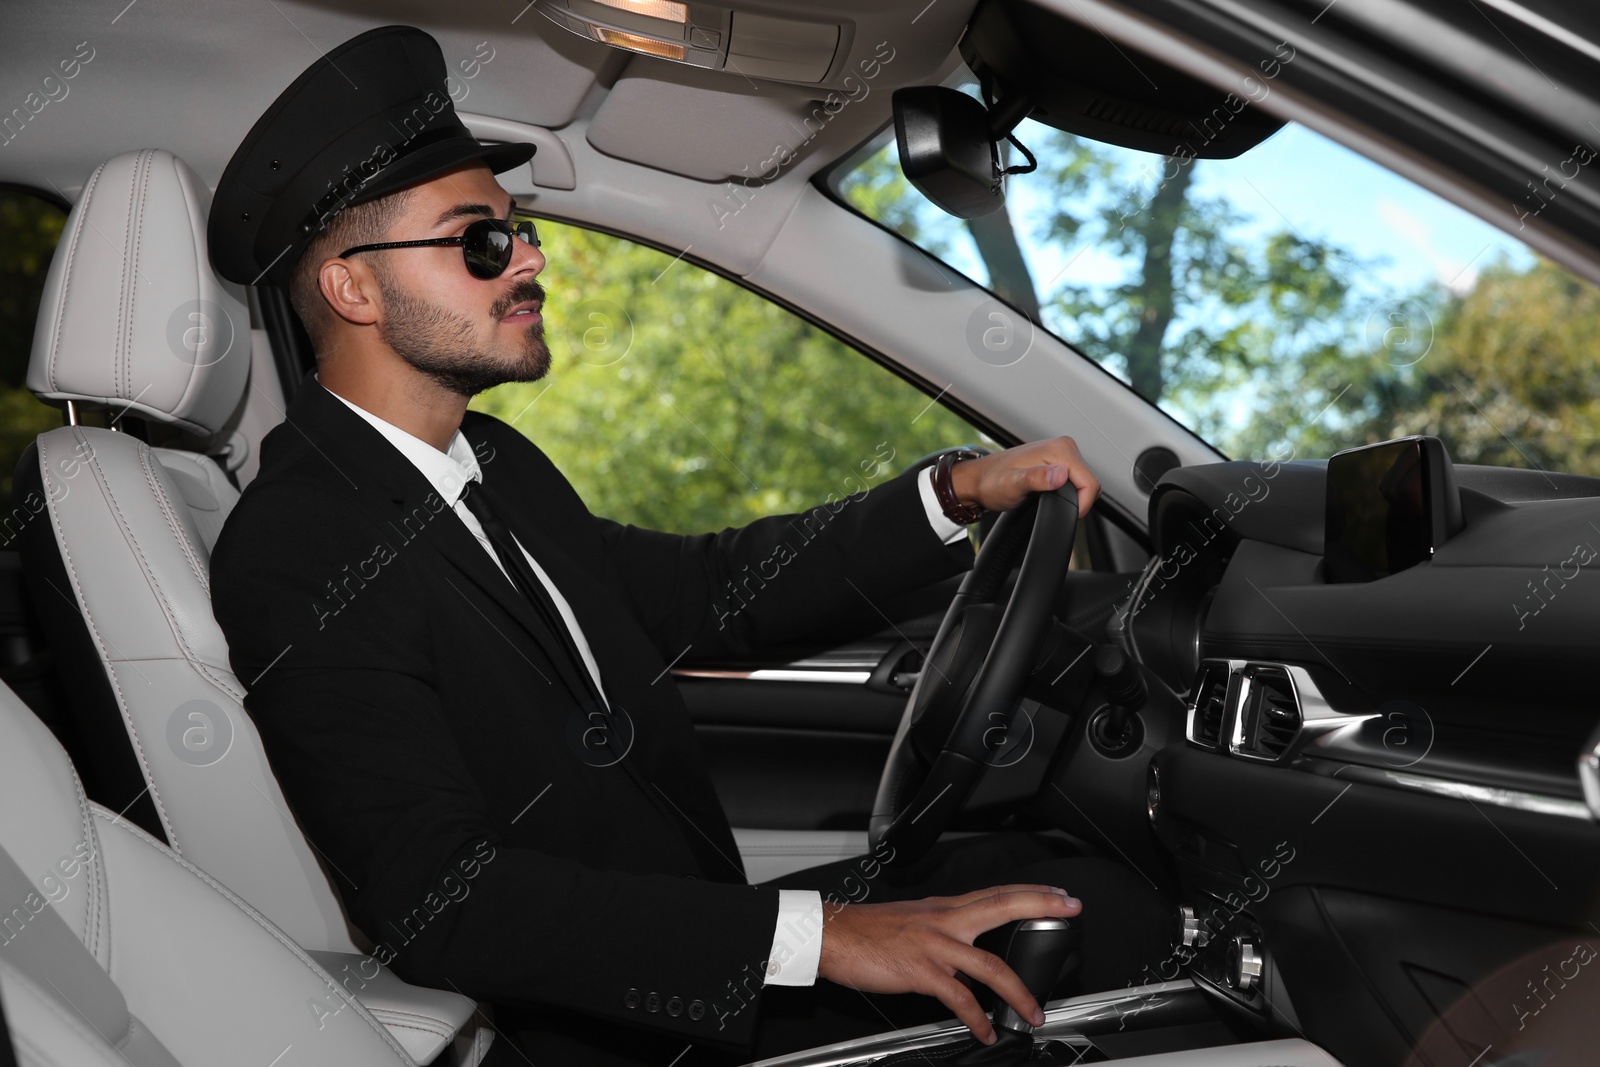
column 976, row 671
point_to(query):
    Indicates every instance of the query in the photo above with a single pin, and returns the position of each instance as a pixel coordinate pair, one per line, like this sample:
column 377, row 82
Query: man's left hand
column 1002, row 480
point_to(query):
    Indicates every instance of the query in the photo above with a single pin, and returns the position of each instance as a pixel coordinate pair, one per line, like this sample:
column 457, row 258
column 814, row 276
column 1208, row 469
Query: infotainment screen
column 1389, row 506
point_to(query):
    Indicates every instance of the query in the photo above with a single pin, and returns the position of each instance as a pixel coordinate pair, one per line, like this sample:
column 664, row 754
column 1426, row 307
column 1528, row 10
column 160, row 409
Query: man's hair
column 360, row 224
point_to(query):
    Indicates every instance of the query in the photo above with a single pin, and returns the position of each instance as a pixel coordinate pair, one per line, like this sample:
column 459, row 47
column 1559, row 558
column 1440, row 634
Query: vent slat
column 1275, row 716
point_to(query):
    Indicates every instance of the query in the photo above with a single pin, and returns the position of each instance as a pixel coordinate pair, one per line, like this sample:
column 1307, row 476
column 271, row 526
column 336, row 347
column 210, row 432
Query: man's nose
column 525, row 257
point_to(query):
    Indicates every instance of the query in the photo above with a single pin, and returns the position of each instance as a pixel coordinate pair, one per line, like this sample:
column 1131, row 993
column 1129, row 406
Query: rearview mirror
column 946, row 149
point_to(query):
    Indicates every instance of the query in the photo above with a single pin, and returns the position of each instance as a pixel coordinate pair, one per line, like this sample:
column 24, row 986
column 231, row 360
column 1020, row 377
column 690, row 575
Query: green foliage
column 1512, row 378
column 29, row 230
column 678, row 400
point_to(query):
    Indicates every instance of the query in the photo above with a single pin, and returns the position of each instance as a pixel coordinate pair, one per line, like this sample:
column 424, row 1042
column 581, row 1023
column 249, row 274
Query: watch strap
column 944, row 489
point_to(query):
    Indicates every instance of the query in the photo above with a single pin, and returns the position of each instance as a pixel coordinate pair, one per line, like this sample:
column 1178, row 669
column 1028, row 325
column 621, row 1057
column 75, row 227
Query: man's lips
column 523, row 313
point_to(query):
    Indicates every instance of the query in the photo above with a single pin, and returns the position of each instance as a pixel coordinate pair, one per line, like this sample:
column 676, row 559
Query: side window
column 29, row 229
column 678, row 400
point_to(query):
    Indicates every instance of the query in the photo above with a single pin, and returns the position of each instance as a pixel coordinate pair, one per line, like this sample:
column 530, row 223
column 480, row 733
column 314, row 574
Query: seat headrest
column 132, row 314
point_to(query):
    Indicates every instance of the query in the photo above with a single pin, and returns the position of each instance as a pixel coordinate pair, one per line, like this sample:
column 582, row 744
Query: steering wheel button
column 631, row 999
column 675, row 1007
column 697, row 1010
column 652, row 1002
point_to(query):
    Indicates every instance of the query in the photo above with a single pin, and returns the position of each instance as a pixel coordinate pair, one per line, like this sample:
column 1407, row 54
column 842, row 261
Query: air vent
column 1269, row 719
column 1209, row 710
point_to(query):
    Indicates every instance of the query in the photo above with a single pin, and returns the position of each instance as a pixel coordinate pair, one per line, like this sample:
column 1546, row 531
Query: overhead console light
column 634, row 42
column 717, row 38
column 656, row 9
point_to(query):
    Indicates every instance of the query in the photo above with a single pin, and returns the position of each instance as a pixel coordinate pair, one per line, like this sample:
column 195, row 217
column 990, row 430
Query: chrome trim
column 72, row 413
column 1062, row 1019
column 1515, row 799
column 1321, row 726
column 1152, row 793
column 1323, row 731
column 1589, row 773
column 1238, row 699
column 1343, row 738
column 1247, row 971
column 777, row 674
column 1192, row 705
column 1193, row 932
column 1006, row 1015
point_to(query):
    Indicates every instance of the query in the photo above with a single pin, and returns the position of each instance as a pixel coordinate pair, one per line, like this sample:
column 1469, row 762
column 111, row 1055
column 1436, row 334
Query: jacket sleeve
column 357, row 734
column 782, row 577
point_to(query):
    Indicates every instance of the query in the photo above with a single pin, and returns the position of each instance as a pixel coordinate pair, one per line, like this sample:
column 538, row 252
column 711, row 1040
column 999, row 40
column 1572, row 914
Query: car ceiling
column 168, row 61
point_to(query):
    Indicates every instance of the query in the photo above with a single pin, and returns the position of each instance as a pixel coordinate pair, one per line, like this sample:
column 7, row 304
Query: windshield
column 1298, row 299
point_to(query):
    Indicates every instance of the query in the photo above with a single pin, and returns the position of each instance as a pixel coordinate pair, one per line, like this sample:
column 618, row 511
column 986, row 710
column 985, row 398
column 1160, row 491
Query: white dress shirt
column 797, row 940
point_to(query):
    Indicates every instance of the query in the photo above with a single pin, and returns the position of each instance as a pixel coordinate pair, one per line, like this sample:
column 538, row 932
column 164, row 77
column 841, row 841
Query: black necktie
column 528, row 583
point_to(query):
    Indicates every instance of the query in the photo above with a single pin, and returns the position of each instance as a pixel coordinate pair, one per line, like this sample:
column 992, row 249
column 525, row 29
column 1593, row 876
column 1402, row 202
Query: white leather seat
column 113, row 949
column 117, row 562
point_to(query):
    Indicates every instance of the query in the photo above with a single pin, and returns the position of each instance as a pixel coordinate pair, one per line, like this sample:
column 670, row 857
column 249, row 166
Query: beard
column 440, row 343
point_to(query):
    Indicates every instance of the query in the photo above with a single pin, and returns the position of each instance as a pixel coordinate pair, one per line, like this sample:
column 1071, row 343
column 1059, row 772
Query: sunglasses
column 485, row 245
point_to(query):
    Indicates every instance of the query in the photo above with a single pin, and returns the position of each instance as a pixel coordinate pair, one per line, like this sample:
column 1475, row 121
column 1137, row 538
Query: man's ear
column 350, row 290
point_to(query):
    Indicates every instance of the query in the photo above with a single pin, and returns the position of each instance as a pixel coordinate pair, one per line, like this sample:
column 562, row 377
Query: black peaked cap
column 371, row 116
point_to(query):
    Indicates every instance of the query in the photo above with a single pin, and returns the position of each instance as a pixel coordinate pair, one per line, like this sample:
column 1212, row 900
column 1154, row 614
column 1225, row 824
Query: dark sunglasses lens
column 487, row 248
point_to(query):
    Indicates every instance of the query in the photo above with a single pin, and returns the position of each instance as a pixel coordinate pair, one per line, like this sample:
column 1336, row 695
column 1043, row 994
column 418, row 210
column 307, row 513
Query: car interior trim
column 778, row 674
column 1159, row 1002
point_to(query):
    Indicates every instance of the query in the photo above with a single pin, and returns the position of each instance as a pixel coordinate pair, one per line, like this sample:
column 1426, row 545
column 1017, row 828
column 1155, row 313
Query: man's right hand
column 918, row 946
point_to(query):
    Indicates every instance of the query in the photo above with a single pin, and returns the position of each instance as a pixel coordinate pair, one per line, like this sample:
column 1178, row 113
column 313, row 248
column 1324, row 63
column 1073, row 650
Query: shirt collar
column 448, row 471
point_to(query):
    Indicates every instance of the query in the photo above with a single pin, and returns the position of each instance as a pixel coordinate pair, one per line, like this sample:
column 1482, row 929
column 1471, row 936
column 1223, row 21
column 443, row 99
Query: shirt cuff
column 949, row 532
column 797, row 942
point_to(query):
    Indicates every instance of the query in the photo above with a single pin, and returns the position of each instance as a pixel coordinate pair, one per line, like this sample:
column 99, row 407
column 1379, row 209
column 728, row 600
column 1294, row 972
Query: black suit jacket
column 484, row 829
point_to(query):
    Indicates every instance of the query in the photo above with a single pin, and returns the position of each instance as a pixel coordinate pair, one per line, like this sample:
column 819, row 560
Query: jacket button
column 652, row 1002
column 697, row 1010
column 631, row 999
column 674, row 1007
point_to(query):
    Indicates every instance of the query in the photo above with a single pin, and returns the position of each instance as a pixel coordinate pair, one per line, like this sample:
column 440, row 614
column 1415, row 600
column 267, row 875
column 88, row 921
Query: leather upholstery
column 125, row 536
column 105, row 925
column 132, row 314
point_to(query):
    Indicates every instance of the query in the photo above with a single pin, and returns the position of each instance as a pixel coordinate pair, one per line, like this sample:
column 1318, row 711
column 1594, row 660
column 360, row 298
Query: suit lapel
column 416, row 515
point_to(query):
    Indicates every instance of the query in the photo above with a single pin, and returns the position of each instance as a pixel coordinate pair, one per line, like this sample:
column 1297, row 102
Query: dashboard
column 1340, row 710
column 1475, row 660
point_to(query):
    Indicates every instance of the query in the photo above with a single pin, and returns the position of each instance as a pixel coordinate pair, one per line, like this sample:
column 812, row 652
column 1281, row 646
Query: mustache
column 529, row 290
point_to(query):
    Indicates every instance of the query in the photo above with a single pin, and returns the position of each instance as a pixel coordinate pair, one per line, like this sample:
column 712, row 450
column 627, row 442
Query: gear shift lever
column 1037, row 949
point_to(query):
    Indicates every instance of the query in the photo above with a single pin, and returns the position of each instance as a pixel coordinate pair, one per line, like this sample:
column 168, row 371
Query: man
column 460, row 674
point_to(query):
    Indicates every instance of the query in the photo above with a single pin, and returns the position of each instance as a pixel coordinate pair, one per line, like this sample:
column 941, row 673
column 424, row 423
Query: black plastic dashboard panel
column 1493, row 639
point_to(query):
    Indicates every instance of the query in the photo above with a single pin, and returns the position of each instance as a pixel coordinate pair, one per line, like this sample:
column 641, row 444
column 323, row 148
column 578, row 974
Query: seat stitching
column 278, row 935
column 94, row 881
column 146, row 159
column 387, row 1017
column 192, row 658
column 94, row 630
column 67, row 275
column 169, row 513
column 120, row 350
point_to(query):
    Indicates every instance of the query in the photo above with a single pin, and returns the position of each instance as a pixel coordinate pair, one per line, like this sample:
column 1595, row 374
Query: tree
column 678, row 400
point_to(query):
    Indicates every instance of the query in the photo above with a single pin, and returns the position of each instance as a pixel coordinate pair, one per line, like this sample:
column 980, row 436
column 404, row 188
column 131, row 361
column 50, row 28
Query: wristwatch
column 945, row 493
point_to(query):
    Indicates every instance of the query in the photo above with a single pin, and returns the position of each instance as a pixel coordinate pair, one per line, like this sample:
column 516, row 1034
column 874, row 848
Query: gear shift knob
column 1036, row 949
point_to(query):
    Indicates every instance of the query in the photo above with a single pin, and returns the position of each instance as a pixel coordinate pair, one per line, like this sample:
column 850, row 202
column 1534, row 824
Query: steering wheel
column 956, row 716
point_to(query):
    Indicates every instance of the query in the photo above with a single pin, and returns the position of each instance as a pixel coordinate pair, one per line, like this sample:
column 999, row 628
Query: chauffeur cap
column 372, row 116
